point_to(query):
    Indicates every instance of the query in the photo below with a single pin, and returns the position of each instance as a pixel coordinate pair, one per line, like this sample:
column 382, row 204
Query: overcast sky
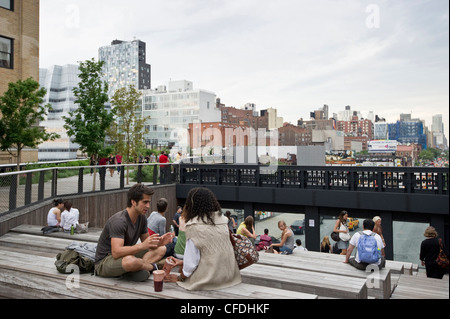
column 385, row 56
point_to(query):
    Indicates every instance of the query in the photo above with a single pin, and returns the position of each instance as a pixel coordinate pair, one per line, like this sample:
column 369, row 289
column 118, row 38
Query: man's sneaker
column 138, row 276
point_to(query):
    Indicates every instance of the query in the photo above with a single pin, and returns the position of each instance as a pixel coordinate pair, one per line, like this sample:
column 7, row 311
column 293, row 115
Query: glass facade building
column 59, row 82
column 406, row 132
column 125, row 65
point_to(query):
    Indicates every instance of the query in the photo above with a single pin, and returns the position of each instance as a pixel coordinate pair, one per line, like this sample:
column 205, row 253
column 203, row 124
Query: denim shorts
column 286, row 250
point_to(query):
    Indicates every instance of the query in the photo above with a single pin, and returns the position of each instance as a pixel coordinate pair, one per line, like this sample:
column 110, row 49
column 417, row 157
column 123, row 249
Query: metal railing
column 427, row 180
column 25, row 188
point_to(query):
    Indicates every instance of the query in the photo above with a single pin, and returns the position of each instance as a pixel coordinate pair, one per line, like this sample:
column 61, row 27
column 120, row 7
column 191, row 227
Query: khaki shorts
column 110, row 267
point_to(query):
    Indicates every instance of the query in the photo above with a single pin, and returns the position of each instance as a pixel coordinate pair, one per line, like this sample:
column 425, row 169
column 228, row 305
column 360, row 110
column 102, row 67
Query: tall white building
column 171, row 110
column 59, row 82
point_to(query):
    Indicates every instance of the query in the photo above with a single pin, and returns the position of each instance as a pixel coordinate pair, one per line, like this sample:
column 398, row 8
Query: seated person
column 286, row 246
column 69, row 217
column 358, row 261
column 118, row 251
column 264, row 241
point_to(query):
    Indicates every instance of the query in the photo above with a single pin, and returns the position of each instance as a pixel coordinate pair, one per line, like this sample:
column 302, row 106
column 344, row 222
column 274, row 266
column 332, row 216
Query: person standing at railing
column 119, row 162
column 111, row 161
column 164, row 169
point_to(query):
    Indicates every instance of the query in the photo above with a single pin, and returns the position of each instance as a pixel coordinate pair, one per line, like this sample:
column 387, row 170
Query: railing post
column 80, row 180
column 29, row 181
column 13, row 192
column 54, row 182
column 41, row 185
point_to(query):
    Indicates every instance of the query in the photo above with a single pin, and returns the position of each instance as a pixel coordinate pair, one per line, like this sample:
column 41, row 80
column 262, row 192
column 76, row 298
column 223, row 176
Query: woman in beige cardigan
column 209, row 261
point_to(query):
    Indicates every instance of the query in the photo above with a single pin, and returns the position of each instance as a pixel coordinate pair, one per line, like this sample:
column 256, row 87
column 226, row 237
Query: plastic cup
column 158, row 279
column 168, row 266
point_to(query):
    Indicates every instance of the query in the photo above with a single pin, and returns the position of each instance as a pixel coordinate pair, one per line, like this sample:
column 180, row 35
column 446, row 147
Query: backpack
column 368, row 248
column 71, row 257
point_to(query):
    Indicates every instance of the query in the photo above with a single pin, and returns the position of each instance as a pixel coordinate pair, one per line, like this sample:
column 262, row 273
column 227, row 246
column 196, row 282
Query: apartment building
column 19, row 52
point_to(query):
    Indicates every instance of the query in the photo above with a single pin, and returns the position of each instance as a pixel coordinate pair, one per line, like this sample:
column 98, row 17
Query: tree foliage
column 89, row 122
column 127, row 131
column 21, row 110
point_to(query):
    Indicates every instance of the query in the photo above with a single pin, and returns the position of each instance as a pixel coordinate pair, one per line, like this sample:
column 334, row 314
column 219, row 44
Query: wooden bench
column 32, row 276
column 325, row 285
column 378, row 283
column 396, row 267
column 92, row 235
column 421, row 287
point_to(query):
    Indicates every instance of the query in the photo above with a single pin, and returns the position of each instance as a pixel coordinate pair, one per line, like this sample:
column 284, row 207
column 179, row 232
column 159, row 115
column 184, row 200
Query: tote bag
column 344, row 236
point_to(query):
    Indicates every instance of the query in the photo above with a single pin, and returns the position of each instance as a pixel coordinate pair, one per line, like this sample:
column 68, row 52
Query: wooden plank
column 396, row 267
column 378, row 283
column 414, row 287
column 92, row 235
column 320, row 284
column 37, row 273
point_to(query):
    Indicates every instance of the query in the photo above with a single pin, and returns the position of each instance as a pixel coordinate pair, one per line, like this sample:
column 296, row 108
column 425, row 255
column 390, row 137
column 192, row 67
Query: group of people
column 132, row 245
column 286, row 246
column 62, row 216
column 202, row 250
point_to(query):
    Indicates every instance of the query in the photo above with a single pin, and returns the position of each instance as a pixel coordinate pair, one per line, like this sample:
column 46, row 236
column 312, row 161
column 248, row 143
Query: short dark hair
column 137, row 192
column 368, row 224
column 161, row 205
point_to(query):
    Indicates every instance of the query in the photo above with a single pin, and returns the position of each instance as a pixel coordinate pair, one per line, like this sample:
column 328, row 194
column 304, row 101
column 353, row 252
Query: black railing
column 426, row 180
column 25, row 188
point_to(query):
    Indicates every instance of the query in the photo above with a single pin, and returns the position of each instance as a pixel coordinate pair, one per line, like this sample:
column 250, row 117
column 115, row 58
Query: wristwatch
column 181, row 277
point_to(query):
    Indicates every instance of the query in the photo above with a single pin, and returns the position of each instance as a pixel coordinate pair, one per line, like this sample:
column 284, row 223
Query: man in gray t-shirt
column 118, row 252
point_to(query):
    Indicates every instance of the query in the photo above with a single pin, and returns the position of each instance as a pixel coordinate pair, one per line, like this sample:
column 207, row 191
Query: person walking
column 429, row 251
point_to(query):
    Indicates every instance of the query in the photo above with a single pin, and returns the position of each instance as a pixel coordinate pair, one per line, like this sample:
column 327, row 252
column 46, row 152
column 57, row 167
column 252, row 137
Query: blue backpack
column 368, row 248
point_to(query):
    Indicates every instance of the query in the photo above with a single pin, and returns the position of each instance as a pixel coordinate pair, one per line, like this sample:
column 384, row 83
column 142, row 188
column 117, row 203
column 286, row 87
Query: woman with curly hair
column 209, row 261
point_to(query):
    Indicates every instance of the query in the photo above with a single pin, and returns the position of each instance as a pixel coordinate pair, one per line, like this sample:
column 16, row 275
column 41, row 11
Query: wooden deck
column 27, row 271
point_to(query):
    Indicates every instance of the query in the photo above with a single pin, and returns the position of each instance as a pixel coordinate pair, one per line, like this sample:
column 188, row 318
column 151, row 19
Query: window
column 6, row 53
column 7, row 4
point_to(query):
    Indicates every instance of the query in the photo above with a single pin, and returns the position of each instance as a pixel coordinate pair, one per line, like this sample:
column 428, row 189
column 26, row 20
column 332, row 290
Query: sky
column 385, row 56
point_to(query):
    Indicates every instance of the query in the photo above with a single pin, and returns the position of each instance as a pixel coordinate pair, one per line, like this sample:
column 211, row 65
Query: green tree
column 127, row 132
column 21, row 110
column 90, row 121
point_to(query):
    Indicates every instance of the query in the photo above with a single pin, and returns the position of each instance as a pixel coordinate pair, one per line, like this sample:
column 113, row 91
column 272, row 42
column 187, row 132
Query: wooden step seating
column 421, row 287
column 378, row 283
column 311, row 277
column 329, row 286
column 26, row 262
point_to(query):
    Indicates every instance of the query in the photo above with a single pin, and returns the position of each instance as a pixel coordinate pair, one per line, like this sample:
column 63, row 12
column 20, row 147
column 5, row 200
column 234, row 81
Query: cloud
column 294, row 55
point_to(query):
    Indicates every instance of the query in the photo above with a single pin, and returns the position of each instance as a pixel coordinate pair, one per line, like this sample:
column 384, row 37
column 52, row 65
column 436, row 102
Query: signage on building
column 382, row 146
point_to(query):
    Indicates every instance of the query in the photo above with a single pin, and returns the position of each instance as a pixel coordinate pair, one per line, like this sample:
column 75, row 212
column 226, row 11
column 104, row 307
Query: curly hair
column 201, row 203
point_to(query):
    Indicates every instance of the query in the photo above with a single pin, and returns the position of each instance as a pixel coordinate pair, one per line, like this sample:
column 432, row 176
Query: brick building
column 291, row 135
column 19, row 52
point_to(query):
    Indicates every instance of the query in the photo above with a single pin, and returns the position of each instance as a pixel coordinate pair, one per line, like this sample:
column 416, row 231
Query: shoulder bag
column 244, row 251
column 344, row 236
column 442, row 259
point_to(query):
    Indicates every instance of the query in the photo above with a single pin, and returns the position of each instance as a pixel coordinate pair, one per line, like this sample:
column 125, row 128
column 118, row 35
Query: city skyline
column 295, row 56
